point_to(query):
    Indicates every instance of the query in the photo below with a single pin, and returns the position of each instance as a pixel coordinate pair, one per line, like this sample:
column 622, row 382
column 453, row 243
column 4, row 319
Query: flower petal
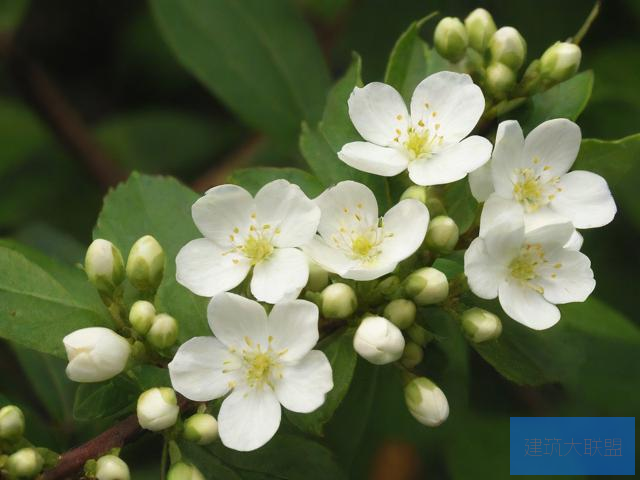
column 451, row 163
column 369, row 271
column 585, row 199
column 483, row 272
column 575, row 242
column 554, row 144
column 377, row 111
column 284, row 211
column 507, row 157
column 281, row 276
column 481, row 183
column 236, row 320
column 405, row 226
column 198, row 369
column 526, row 306
column 347, row 205
column 567, row 277
column 331, row 259
column 305, row 384
column 497, row 210
column 249, row 418
column 552, row 237
column 206, row 269
column 505, row 239
column 372, row 158
column 293, row 326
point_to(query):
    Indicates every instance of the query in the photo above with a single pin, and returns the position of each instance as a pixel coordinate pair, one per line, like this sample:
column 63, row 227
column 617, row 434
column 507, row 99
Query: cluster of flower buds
column 159, row 329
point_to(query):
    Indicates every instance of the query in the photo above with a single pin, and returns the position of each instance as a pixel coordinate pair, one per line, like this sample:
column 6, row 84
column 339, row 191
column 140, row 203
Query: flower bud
column 427, row 286
column 145, row 264
column 11, row 423
column 110, row 467
column 318, row 277
column 442, row 234
column 500, row 80
column 480, row 28
column 507, row 46
column 95, row 354
column 183, row 471
column 560, row 61
column 163, row 332
column 426, row 402
column 401, row 312
column 338, row 301
column 378, row 340
column 141, row 316
column 104, row 266
column 415, row 192
column 26, row 462
column 480, row 325
column 201, row 428
column 450, row 39
column 157, row 409
column 412, row 355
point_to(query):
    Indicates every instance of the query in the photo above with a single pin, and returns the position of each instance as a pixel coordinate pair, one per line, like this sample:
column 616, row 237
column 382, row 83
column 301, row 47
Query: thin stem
column 593, row 14
column 163, row 460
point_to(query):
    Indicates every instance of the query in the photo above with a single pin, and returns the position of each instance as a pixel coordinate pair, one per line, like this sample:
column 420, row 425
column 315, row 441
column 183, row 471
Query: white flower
column 445, row 107
column 426, row 402
column 242, row 233
column 378, row 340
column 157, row 409
column 264, row 361
column 95, row 354
column 530, row 272
column 354, row 242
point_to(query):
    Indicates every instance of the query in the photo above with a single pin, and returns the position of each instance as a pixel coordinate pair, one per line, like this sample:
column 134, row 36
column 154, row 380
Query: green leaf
column 253, row 179
column 112, row 398
column 161, row 207
column 259, row 58
column 460, row 204
column 11, row 13
column 451, row 265
column 42, row 300
column 210, row 465
column 339, row 350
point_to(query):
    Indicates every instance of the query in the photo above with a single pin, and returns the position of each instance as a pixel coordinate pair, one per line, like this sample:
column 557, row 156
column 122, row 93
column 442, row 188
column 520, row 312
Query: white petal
column 293, row 326
column 304, row 385
column 288, row 213
column 483, row 272
column 206, row 269
column 197, row 369
column 372, row 158
column 377, row 110
column 567, row 277
column 527, row 306
column 222, row 209
column 585, row 199
column 281, row 276
column 456, row 101
column 451, row 163
column 249, row 418
column 405, row 226
column 369, row 271
column 575, row 242
column 504, row 240
column 481, row 182
column 555, row 143
column 545, row 216
column 507, row 157
column 552, row 237
column 234, row 320
column 349, row 205
column 331, row 259
column 497, row 210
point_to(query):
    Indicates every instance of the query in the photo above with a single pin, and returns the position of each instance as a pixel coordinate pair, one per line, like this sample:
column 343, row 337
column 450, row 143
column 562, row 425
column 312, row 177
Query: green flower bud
column 480, row 28
column 11, row 423
column 419, row 335
column 426, row 402
column 507, row 46
column 141, row 316
column 401, row 312
column 183, row 471
column 318, row 277
column 427, row 286
column 145, row 264
column 480, row 325
column 450, row 39
column 201, row 428
column 157, row 409
column 561, row 61
column 442, row 234
column 26, row 462
column 415, row 192
column 435, row 206
column 110, row 467
column 338, row 301
column 389, row 285
column 104, row 266
column 163, row 332
column 412, row 355
column 500, row 80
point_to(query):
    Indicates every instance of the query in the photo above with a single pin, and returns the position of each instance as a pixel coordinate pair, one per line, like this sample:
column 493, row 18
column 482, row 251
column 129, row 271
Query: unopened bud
column 95, row 354
column 378, row 340
column 338, row 301
column 201, row 428
column 415, row 192
column 412, row 355
column 480, row 325
column 163, row 332
column 426, row 402
column 110, row 467
column 26, row 462
column 427, row 286
column 442, row 234
column 157, row 409
column 419, row 335
column 480, row 27
column 507, row 46
column 11, row 423
column 145, row 264
column 500, row 80
column 318, row 277
column 560, row 61
column 141, row 316
column 104, row 266
column 401, row 312
column 183, row 471
column 450, row 39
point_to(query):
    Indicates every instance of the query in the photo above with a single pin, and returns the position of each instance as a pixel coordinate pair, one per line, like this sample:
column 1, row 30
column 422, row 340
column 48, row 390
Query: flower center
column 257, row 248
column 525, row 266
column 261, row 367
column 361, row 246
column 417, row 143
column 532, row 191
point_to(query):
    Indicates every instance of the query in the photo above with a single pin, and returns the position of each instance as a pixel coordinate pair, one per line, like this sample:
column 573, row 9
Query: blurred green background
column 104, row 71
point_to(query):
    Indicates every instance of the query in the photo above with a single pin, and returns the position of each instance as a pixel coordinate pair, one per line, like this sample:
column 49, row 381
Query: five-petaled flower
column 265, row 361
